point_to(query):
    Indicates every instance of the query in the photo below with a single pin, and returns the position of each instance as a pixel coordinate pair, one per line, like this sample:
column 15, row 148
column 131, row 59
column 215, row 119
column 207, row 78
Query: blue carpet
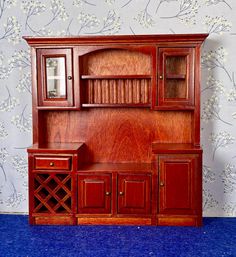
column 216, row 238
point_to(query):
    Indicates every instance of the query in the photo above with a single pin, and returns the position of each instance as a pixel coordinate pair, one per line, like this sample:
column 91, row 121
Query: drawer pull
column 121, row 193
column 108, row 193
column 161, row 184
column 51, row 164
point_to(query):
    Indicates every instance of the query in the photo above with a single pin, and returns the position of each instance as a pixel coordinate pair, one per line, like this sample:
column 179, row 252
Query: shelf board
column 174, row 148
column 87, row 105
column 55, row 147
column 175, row 76
column 116, row 76
column 119, row 167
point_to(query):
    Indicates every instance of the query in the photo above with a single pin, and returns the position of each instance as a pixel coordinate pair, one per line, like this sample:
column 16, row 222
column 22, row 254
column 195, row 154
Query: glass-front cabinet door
column 55, row 77
column 176, row 77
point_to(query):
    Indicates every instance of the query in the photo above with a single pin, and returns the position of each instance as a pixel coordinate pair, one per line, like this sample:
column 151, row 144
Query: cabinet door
column 176, row 77
column 94, row 193
column 55, row 81
column 177, row 184
column 134, row 194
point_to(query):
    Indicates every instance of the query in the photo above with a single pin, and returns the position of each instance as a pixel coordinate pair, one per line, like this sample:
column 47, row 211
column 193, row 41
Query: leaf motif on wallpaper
column 211, row 110
column 230, row 209
column 110, row 24
column 217, row 24
column 6, row 4
column 3, row 131
column 208, row 200
column 3, row 158
column 11, row 30
column 24, row 84
column 215, row 85
column 78, row 3
column 20, row 164
column 220, row 140
column 164, row 1
column 9, row 103
column 15, row 198
column 4, row 70
column 215, row 2
column 144, row 18
column 20, row 59
column 87, row 21
column 110, row 2
column 186, row 13
column 32, row 8
column 22, row 122
column 216, row 59
column 58, row 11
column 228, row 177
column 209, row 176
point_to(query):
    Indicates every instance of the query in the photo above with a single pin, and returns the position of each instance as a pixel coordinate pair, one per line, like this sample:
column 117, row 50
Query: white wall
column 68, row 17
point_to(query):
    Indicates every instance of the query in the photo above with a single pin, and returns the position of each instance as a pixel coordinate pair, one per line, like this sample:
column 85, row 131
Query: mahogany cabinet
column 116, row 130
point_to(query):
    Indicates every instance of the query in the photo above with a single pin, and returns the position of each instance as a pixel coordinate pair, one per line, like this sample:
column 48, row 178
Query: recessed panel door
column 94, row 193
column 177, row 184
column 134, row 194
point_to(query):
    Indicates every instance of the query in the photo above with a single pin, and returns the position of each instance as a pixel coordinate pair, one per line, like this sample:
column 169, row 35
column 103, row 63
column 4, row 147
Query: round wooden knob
column 121, row 193
column 69, row 77
column 161, row 184
column 160, row 77
column 51, row 164
column 108, row 193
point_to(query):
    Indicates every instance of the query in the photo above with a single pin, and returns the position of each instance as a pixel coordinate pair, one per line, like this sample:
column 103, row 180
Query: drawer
column 52, row 163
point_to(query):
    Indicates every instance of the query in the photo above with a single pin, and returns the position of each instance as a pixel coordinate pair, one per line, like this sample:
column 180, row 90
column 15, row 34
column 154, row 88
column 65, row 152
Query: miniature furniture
column 116, row 130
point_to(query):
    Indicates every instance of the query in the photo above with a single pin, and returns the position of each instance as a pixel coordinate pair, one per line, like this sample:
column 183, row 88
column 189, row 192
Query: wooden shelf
column 116, row 105
column 175, row 76
column 119, row 167
column 164, row 148
column 116, row 77
column 55, row 147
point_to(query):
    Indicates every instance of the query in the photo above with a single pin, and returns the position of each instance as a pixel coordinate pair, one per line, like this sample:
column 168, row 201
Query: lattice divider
column 52, row 193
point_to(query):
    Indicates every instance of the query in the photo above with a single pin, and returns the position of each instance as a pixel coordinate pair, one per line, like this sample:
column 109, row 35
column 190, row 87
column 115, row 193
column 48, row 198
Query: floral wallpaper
column 92, row 17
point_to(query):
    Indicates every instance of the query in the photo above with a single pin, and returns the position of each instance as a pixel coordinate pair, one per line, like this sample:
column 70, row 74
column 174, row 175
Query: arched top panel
column 116, row 61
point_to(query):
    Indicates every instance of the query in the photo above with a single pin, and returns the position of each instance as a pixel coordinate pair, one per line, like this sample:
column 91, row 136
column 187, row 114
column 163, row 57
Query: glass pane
column 175, row 88
column 176, row 65
column 176, row 79
column 56, row 80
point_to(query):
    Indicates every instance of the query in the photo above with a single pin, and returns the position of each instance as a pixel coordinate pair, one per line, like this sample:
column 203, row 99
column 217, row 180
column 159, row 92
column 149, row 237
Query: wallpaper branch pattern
column 92, row 17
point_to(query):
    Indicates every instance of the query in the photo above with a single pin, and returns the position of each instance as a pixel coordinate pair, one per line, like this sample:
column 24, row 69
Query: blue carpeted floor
column 216, row 238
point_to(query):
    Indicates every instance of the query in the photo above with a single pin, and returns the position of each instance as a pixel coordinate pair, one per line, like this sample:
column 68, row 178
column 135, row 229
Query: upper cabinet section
column 176, row 77
column 161, row 72
column 55, row 78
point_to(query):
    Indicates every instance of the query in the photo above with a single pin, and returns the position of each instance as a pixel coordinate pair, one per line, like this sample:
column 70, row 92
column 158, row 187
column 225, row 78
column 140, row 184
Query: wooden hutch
column 116, row 130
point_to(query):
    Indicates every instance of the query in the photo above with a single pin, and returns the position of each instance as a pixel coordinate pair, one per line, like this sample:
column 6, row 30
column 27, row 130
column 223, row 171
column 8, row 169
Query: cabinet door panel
column 134, row 194
column 176, row 77
column 55, row 81
column 177, row 185
column 94, row 194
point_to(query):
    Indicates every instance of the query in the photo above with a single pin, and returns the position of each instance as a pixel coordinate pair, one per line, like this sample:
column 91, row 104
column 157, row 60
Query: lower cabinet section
column 132, row 194
column 180, row 190
column 167, row 193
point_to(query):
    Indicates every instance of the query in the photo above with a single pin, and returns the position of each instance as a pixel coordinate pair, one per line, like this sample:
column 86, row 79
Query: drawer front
column 52, row 163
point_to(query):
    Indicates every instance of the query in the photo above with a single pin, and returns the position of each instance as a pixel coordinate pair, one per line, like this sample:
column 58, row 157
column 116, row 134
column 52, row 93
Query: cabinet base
column 55, row 220
column 179, row 220
column 114, row 221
